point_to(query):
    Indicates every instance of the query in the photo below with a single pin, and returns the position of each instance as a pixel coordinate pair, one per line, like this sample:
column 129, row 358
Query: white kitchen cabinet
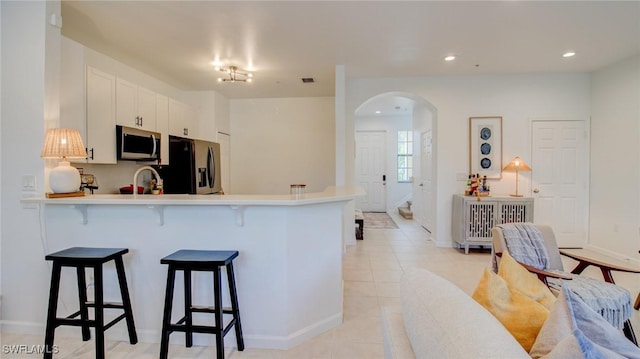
column 100, row 138
column 473, row 220
column 182, row 119
column 135, row 106
column 162, row 126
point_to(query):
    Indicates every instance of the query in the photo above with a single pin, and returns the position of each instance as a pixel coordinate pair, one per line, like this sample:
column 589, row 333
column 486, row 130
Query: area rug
column 375, row 220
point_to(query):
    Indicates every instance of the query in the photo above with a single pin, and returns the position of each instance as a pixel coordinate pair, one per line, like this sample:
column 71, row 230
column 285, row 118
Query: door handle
column 535, row 190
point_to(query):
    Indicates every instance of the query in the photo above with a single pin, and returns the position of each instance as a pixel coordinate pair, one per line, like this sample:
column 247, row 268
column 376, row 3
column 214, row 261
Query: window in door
column 405, row 156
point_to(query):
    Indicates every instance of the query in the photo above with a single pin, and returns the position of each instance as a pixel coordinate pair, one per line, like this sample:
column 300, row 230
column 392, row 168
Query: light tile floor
column 371, row 269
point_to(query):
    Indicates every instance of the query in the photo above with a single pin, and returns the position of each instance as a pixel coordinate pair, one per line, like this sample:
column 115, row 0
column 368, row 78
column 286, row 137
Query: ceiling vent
column 308, row 80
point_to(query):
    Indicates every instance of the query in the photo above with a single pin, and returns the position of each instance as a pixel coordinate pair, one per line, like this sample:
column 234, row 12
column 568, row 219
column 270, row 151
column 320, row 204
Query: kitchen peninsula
column 288, row 273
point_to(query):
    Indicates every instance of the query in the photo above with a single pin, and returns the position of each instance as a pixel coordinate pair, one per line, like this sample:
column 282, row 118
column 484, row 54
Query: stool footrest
column 89, row 322
column 74, row 322
column 110, row 305
column 225, row 310
column 179, row 327
column 113, row 322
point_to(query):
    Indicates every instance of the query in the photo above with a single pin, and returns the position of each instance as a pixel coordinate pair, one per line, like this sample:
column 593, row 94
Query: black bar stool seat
column 201, row 261
column 81, row 258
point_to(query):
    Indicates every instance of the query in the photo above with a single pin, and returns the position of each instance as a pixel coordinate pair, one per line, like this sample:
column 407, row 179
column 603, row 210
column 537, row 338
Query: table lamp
column 516, row 165
column 63, row 143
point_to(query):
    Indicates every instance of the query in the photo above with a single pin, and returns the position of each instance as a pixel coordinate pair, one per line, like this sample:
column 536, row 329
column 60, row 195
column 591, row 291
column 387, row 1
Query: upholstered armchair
column 553, row 267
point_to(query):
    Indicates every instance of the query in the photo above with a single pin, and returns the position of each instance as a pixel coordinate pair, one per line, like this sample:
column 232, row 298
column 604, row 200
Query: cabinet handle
column 140, row 121
column 89, row 151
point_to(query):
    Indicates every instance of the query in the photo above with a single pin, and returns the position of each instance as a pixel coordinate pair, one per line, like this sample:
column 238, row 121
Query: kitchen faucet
column 135, row 177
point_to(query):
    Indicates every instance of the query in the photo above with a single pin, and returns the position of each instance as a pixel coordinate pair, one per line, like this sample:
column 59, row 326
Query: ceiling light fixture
column 235, row 75
column 569, row 54
column 450, row 58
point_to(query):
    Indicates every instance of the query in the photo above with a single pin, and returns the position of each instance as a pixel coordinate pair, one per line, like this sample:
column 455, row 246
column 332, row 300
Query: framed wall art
column 485, row 146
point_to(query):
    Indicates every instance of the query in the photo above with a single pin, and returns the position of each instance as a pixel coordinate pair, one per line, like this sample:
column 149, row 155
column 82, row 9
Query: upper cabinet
column 101, row 116
column 182, row 119
column 135, row 106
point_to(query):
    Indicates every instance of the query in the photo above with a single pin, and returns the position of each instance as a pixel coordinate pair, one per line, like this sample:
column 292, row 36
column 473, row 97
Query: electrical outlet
column 29, row 183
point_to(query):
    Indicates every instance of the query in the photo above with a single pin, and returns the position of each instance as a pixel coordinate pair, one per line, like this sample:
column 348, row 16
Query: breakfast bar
column 288, row 272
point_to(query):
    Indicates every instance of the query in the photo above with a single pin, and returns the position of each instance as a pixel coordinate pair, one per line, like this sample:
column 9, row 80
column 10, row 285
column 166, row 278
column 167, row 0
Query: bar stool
column 81, row 258
column 201, row 261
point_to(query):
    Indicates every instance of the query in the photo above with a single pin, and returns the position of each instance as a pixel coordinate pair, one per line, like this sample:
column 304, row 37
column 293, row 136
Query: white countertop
column 331, row 194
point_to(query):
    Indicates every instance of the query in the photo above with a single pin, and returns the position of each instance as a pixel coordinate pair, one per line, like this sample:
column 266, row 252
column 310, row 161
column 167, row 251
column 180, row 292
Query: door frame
column 587, row 145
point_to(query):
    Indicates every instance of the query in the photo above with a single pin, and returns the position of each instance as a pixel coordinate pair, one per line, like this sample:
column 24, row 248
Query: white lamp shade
column 64, row 178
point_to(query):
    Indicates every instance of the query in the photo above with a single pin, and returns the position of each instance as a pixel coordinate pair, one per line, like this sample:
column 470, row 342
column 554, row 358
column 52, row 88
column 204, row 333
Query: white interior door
column 425, row 187
column 559, row 177
column 371, row 170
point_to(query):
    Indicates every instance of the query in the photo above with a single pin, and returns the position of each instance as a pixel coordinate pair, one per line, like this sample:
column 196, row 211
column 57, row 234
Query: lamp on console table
column 516, row 165
column 63, row 143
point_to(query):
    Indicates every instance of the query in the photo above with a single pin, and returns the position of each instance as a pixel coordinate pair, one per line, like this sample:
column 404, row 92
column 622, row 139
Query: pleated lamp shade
column 63, row 143
column 516, row 165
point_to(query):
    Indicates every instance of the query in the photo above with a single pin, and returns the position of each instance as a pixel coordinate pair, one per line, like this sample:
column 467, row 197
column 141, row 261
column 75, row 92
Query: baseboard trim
column 153, row 336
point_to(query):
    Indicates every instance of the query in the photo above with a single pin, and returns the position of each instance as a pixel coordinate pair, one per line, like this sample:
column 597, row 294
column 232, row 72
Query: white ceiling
column 282, row 42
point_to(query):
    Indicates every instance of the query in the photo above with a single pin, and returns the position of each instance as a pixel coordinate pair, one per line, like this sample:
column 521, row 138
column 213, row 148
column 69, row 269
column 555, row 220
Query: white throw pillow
column 443, row 322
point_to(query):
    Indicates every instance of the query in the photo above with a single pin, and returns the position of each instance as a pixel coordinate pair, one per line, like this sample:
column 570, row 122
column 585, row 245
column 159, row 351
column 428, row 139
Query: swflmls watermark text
column 16, row 349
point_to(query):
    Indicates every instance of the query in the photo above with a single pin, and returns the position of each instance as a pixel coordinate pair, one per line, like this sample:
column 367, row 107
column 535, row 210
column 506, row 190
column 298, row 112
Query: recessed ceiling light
column 378, row 112
column 569, row 54
column 450, row 58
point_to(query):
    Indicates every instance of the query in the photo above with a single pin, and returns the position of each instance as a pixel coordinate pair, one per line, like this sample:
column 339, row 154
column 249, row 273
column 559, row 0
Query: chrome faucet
column 135, row 177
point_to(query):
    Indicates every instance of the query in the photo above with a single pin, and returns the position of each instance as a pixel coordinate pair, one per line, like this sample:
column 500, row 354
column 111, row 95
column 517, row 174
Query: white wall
column 396, row 192
column 517, row 98
column 280, row 141
column 26, row 39
column 614, row 210
column 1, row 166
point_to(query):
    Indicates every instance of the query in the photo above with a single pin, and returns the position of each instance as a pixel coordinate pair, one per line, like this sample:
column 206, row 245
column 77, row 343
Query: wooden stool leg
column 166, row 321
column 126, row 301
column 628, row 332
column 82, row 298
column 217, row 297
column 233, row 294
column 99, row 310
column 188, row 318
column 52, row 311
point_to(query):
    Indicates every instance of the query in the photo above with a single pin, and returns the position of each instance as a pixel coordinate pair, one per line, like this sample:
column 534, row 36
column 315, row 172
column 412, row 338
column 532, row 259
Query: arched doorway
column 385, row 116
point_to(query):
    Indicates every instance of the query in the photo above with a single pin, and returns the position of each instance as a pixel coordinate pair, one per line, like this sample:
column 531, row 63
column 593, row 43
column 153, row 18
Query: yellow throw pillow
column 518, row 277
column 522, row 316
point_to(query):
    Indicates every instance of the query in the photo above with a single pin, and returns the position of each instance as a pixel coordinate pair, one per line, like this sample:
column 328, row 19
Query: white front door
column 371, row 170
column 425, row 187
column 559, row 179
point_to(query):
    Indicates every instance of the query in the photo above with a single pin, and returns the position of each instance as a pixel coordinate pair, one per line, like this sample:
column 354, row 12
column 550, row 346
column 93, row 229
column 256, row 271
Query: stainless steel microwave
column 137, row 145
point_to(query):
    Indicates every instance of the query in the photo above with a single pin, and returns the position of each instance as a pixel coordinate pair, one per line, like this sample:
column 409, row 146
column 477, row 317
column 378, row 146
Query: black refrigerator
column 194, row 167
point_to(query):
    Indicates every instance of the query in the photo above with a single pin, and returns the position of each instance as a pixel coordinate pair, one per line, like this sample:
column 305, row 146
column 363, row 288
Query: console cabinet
column 472, row 219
